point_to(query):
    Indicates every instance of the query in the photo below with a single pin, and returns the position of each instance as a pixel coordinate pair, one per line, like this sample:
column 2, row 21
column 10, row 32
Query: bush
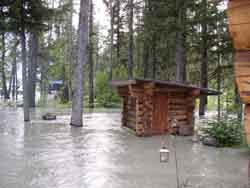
column 104, row 96
column 227, row 131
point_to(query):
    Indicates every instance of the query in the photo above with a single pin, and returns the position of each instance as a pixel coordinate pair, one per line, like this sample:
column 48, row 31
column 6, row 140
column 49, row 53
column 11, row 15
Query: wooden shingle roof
column 167, row 84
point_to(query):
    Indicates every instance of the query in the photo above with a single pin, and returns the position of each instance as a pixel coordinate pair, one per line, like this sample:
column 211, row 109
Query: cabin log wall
column 139, row 117
column 129, row 112
column 239, row 27
column 181, row 108
column 247, row 122
column 140, row 114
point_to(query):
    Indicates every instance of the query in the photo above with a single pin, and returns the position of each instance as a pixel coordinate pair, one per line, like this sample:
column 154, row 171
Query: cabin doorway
column 160, row 114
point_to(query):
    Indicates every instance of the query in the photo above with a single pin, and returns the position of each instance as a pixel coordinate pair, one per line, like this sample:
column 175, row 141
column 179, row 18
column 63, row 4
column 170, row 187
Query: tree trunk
column 219, row 87
column 154, row 58
column 15, row 82
column 44, row 83
column 33, row 69
column 91, row 62
column 219, row 90
column 10, row 81
column 4, row 85
column 145, row 59
column 97, row 66
column 71, row 62
column 118, row 42
column 204, row 62
column 180, row 46
column 111, row 7
column 146, row 47
column 131, row 40
column 77, row 102
column 68, row 64
column 179, row 58
column 238, row 104
column 24, row 67
column 65, row 89
column 111, row 41
column 14, row 74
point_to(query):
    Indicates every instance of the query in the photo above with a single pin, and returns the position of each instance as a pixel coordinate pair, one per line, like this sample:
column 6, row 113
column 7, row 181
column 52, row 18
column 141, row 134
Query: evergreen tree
column 77, row 105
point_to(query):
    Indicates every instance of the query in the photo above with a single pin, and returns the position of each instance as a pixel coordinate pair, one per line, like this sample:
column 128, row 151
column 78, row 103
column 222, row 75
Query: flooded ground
column 104, row 155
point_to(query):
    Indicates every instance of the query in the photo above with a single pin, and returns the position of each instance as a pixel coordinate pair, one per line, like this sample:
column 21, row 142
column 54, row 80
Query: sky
column 101, row 16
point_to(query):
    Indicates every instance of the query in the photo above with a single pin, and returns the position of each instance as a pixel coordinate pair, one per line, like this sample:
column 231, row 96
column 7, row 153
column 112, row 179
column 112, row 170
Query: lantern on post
column 164, row 155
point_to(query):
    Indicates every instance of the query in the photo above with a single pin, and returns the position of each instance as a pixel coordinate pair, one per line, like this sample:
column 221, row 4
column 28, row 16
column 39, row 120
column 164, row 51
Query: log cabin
column 239, row 26
column 149, row 106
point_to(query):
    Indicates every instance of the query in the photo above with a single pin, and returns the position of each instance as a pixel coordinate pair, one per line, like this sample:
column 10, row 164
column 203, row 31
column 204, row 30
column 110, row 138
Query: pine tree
column 23, row 16
column 91, row 60
column 77, row 103
column 131, row 40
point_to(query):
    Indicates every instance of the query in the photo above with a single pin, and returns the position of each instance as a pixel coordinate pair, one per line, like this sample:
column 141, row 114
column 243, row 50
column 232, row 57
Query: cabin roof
column 203, row 91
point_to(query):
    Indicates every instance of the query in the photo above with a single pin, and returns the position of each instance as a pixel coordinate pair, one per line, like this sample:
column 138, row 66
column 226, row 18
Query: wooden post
column 247, row 122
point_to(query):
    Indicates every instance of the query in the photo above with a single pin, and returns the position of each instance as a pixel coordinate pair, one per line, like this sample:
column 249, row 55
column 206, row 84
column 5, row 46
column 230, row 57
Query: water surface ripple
column 102, row 154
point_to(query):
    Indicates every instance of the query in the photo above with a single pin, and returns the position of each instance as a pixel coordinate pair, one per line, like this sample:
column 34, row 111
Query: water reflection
column 102, row 154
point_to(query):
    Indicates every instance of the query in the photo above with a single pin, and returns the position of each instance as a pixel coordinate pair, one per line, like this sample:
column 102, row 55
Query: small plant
column 227, row 132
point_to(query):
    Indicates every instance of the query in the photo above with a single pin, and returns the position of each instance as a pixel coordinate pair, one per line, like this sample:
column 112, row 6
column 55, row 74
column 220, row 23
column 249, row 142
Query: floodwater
column 103, row 155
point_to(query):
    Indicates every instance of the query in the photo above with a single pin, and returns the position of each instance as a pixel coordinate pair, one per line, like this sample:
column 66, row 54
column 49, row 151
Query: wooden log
column 177, row 106
column 178, row 101
column 190, row 111
column 140, row 131
column 148, row 92
column 131, row 119
column 124, row 111
column 181, row 117
column 179, row 112
column 181, row 123
column 168, row 90
column 150, row 85
column 123, row 91
column 239, row 23
column 242, row 75
column 131, row 114
column 173, row 108
column 195, row 93
column 136, row 91
column 131, row 126
column 247, row 122
column 176, row 95
column 239, row 27
column 148, row 114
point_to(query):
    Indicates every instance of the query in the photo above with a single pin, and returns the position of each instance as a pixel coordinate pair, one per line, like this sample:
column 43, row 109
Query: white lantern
column 164, row 155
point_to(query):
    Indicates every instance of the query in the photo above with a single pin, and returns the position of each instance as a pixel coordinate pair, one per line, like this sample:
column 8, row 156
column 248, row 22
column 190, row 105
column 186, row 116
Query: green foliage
column 104, row 96
column 228, row 131
column 156, row 25
column 34, row 15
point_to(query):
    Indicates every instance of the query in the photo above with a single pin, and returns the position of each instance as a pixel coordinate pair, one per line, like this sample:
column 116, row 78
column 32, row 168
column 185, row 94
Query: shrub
column 104, row 96
column 227, row 132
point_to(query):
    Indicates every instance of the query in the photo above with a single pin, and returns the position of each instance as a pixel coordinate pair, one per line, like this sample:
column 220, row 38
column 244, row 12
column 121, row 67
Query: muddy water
column 102, row 154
